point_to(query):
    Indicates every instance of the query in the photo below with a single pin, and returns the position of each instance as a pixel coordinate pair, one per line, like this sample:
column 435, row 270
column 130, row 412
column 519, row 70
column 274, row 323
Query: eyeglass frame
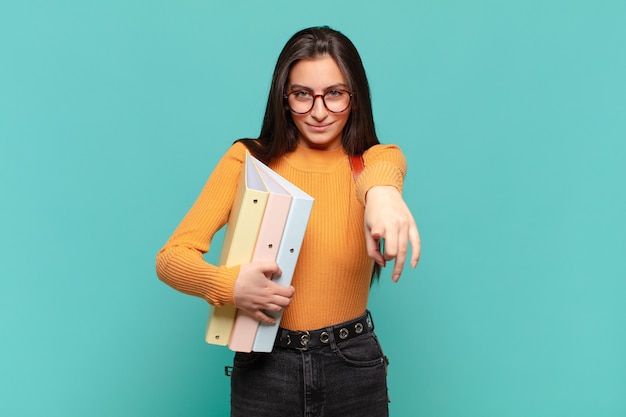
column 315, row 96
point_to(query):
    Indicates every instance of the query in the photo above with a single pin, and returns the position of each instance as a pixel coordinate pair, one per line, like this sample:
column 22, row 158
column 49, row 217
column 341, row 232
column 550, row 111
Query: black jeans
column 342, row 379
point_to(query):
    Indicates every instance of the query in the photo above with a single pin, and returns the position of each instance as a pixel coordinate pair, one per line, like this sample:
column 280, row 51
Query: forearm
column 185, row 270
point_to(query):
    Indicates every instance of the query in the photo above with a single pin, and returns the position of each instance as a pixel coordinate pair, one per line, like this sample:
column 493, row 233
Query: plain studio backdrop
column 512, row 116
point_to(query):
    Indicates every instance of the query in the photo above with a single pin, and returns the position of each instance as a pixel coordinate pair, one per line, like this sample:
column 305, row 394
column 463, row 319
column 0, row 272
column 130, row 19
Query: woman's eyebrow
column 304, row 87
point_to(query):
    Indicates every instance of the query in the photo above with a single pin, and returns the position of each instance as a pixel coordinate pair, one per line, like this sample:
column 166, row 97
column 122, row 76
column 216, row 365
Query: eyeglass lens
column 335, row 101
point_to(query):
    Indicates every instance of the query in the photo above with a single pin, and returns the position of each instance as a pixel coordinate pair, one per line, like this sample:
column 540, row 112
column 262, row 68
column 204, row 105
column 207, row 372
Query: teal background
column 512, row 115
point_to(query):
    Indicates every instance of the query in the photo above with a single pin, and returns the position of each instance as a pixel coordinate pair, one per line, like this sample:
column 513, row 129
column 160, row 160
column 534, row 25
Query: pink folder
column 288, row 252
column 266, row 249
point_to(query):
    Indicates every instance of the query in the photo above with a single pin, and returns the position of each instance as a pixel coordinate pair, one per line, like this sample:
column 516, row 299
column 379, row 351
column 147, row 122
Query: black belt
column 309, row 339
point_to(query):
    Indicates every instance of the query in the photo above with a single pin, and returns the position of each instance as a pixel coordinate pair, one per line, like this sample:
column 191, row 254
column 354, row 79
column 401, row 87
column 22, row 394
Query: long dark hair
column 279, row 134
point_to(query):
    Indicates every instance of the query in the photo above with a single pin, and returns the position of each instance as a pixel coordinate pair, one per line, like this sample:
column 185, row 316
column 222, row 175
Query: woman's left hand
column 388, row 218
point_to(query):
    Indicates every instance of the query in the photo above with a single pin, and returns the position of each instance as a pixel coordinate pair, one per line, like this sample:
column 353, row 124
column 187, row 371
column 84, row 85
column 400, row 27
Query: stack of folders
column 267, row 223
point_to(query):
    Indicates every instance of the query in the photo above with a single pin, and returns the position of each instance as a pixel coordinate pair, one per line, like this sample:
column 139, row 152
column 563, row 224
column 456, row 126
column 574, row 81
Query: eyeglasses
column 302, row 101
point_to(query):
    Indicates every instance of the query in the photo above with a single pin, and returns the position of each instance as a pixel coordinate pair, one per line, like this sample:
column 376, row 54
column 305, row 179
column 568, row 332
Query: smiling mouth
column 319, row 127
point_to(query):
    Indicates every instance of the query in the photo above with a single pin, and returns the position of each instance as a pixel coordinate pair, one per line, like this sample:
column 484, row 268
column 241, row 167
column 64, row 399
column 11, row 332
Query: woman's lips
column 320, row 127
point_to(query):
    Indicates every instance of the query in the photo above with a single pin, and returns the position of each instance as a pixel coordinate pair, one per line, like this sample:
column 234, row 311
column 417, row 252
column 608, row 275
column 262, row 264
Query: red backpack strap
column 356, row 164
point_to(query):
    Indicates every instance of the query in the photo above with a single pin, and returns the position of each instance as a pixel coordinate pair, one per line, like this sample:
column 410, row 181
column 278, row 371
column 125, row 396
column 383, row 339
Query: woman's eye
column 302, row 94
column 334, row 93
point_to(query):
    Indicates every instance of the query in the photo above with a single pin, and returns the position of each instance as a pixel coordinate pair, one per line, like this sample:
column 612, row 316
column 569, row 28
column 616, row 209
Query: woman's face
column 319, row 128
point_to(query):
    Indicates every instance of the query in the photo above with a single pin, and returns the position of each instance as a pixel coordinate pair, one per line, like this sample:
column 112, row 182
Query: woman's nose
column 319, row 110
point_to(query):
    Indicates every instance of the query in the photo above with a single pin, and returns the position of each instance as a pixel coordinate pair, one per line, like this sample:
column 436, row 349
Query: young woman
column 326, row 359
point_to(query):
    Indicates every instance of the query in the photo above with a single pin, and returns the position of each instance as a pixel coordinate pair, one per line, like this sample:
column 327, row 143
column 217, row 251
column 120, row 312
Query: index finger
column 401, row 251
column 416, row 246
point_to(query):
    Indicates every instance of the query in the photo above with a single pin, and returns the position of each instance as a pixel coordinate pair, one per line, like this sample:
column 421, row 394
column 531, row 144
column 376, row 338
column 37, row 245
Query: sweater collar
column 318, row 160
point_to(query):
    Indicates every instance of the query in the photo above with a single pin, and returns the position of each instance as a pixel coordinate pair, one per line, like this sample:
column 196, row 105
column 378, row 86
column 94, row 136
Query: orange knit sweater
column 333, row 272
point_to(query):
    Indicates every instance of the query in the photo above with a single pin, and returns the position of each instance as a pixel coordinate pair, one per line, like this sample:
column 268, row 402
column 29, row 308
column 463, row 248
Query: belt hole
column 358, row 328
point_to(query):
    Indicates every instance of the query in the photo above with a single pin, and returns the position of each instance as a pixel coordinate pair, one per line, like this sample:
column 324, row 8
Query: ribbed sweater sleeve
column 180, row 263
column 384, row 165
